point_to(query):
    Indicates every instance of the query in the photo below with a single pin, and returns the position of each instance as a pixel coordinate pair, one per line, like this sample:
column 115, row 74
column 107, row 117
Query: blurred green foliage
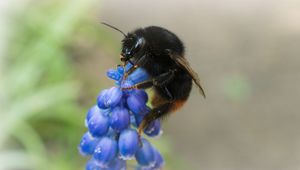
column 40, row 119
column 41, row 116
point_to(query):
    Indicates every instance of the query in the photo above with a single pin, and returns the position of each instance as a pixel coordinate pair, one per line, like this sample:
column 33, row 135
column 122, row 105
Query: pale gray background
column 247, row 54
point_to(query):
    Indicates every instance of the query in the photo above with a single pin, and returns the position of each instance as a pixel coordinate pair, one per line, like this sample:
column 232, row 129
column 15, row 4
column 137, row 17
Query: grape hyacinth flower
column 112, row 123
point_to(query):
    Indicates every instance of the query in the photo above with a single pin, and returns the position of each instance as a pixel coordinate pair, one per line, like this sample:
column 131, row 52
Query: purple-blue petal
column 128, row 66
column 101, row 99
column 159, row 161
column 92, row 164
column 139, row 75
column 145, row 154
column 95, row 110
column 136, row 103
column 119, row 119
column 143, row 95
column 158, row 165
column 91, row 112
column 128, row 144
column 117, row 164
column 114, row 95
column 98, row 124
column 109, row 98
column 120, row 70
column 105, row 151
column 113, row 74
column 140, row 116
column 87, row 144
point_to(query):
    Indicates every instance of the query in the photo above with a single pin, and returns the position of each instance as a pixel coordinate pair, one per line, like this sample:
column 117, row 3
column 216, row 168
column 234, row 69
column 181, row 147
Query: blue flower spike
column 112, row 138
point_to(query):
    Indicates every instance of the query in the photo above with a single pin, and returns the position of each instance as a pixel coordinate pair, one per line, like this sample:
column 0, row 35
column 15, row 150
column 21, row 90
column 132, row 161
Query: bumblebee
column 161, row 53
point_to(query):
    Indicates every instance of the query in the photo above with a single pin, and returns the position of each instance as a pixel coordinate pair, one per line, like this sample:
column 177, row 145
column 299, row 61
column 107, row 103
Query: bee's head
column 132, row 46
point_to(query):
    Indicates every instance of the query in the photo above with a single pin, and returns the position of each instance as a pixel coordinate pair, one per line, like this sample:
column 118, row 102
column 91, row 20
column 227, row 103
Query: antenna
column 115, row 28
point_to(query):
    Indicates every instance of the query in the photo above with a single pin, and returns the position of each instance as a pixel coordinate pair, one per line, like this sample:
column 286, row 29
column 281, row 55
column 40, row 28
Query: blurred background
column 54, row 54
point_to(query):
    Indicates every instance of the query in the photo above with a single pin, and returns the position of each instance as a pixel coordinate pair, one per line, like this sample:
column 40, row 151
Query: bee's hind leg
column 155, row 113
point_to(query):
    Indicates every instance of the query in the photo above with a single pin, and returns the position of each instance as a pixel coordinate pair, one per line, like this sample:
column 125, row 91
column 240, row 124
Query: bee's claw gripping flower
column 112, row 138
column 153, row 129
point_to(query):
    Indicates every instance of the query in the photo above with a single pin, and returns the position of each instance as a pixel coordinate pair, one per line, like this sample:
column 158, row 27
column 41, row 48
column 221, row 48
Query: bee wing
column 183, row 63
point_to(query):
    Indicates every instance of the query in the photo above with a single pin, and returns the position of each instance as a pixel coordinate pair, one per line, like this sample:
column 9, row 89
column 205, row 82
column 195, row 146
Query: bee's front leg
column 159, row 81
column 141, row 61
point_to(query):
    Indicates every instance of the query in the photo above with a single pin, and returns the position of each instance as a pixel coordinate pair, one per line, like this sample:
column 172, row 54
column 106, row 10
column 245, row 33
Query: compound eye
column 139, row 44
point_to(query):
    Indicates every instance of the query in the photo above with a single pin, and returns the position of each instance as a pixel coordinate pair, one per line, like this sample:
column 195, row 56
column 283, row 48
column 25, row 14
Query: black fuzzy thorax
column 157, row 41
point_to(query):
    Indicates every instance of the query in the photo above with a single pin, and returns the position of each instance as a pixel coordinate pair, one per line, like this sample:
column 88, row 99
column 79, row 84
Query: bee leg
column 138, row 63
column 142, row 85
column 159, row 81
column 156, row 113
column 164, row 78
column 169, row 94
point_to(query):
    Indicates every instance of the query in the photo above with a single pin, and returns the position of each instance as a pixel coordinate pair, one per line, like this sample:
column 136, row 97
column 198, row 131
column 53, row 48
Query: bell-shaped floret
column 98, row 124
column 145, row 155
column 119, row 119
column 87, row 144
column 105, row 151
column 128, row 144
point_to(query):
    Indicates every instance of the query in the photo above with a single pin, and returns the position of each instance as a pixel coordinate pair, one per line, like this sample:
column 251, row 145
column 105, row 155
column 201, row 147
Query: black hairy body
column 161, row 53
column 158, row 61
